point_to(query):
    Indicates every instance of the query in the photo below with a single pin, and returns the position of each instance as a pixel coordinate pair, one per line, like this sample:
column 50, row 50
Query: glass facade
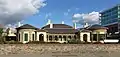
column 111, row 19
column 119, row 12
column 110, row 16
column 119, row 18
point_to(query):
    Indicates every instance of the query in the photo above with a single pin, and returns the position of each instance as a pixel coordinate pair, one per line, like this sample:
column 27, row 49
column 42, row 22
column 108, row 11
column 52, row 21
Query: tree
column 1, row 31
column 1, row 36
column 74, row 41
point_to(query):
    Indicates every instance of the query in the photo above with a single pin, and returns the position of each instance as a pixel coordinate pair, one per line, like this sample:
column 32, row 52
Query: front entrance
column 41, row 37
column 85, row 37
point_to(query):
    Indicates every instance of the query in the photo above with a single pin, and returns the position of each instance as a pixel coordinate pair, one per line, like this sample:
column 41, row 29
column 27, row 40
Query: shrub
column 39, row 42
column 12, row 42
column 73, row 41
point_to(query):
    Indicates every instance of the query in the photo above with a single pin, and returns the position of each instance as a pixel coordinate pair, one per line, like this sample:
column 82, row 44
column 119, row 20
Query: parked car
column 112, row 41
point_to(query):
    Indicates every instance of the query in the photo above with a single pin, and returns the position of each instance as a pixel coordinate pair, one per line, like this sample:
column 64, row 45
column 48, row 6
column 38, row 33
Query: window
column 75, row 37
column 60, row 37
column 41, row 37
column 94, row 37
column 25, row 37
column 101, row 36
column 50, row 38
column 119, row 16
column 56, row 38
column 33, row 37
column 85, row 37
column 69, row 37
column 64, row 38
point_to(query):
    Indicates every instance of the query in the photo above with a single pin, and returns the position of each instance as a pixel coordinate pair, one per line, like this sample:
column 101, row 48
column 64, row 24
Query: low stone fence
column 53, row 48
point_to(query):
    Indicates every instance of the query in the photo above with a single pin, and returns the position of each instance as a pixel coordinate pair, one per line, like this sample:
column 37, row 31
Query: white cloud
column 12, row 11
column 91, row 18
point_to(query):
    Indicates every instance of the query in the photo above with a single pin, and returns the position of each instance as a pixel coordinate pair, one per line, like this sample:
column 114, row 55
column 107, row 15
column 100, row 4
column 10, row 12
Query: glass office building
column 111, row 19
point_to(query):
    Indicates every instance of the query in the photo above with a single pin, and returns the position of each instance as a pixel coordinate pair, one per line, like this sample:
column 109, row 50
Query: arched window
column 69, row 37
column 85, row 37
column 26, row 37
column 60, row 37
column 56, row 38
column 64, row 37
column 50, row 38
column 41, row 37
column 75, row 37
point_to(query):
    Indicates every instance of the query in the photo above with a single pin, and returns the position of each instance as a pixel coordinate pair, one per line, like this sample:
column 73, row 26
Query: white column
column 81, row 36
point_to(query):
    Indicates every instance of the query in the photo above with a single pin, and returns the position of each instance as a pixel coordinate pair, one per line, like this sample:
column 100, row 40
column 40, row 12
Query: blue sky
column 63, row 10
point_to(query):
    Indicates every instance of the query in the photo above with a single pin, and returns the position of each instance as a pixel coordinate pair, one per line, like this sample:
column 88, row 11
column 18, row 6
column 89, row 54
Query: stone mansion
column 61, row 33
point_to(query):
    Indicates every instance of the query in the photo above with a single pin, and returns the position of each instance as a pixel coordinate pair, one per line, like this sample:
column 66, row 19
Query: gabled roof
column 62, row 31
column 57, row 26
column 84, row 30
column 26, row 26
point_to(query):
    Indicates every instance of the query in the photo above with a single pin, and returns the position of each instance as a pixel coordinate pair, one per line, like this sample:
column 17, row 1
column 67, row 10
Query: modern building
column 111, row 18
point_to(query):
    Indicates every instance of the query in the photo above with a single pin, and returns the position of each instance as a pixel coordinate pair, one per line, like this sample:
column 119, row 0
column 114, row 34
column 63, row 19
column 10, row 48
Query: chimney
column 75, row 26
column 49, row 21
column 86, row 25
column 19, row 24
column 51, row 25
column 63, row 22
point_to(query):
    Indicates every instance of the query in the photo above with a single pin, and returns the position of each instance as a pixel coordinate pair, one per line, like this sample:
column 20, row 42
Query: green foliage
column 1, row 31
column 73, row 41
column 39, row 42
column 1, row 37
column 77, row 41
column 12, row 42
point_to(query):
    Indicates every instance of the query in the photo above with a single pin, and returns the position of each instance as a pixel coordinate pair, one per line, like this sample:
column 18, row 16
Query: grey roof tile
column 57, row 26
column 26, row 26
column 62, row 31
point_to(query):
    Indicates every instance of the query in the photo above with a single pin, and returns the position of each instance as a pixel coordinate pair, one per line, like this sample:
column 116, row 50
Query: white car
column 111, row 40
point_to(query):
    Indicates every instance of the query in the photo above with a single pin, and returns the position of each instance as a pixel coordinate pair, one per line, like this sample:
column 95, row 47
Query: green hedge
column 38, row 42
column 12, row 42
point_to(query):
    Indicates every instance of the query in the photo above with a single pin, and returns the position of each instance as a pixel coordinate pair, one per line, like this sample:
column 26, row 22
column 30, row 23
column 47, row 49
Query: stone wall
column 53, row 48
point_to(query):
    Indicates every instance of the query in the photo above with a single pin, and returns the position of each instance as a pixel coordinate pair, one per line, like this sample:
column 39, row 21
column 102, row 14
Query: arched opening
column 64, row 37
column 75, row 37
column 25, row 37
column 50, row 38
column 33, row 37
column 41, row 37
column 56, row 38
column 85, row 37
column 60, row 37
column 69, row 37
